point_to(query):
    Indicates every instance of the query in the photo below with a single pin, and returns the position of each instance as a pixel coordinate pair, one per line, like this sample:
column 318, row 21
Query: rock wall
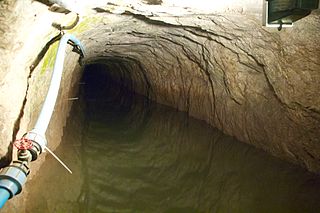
column 257, row 84
column 254, row 83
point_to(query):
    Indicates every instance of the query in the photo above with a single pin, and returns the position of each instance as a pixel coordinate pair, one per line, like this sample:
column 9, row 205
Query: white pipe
column 50, row 101
column 13, row 177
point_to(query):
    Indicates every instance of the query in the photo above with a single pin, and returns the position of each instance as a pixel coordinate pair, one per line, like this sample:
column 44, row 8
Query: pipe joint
column 35, row 150
column 39, row 143
column 13, row 177
column 24, row 155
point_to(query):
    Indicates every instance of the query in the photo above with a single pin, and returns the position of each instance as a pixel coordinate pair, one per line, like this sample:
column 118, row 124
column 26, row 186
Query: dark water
column 130, row 155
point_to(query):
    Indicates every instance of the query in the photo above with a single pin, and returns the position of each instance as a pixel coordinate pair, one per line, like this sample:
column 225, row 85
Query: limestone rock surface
column 254, row 83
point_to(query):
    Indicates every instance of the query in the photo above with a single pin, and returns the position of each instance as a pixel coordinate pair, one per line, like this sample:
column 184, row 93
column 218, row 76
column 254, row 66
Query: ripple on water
column 142, row 157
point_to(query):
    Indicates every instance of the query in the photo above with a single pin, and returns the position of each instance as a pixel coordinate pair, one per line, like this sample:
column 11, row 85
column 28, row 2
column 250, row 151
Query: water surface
column 131, row 155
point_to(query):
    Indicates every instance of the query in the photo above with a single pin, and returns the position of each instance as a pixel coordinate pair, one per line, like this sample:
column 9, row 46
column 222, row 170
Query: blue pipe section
column 13, row 177
column 4, row 196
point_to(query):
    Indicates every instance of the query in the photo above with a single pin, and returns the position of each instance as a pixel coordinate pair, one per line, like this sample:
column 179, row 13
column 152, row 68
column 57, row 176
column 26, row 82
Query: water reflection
column 163, row 161
column 130, row 155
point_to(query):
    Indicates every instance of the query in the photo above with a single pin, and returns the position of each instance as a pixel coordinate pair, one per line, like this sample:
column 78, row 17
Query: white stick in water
column 58, row 159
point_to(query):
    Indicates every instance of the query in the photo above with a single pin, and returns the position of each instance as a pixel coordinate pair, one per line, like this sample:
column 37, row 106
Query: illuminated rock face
column 257, row 84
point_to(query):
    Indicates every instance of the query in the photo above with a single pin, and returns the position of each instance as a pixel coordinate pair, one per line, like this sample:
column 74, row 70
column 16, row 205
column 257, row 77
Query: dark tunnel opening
column 104, row 84
column 108, row 89
column 113, row 81
column 119, row 83
column 119, row 72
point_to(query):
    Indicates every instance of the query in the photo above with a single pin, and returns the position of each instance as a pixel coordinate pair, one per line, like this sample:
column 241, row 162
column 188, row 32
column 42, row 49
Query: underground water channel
column 129, row 154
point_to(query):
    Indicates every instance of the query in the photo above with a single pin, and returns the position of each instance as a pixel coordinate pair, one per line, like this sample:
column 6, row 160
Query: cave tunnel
column 138, row 155
column 170, row 110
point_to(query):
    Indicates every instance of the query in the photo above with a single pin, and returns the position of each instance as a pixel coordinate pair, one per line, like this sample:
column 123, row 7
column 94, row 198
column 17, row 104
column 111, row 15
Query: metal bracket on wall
column 282, row 13
column 265, row 18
